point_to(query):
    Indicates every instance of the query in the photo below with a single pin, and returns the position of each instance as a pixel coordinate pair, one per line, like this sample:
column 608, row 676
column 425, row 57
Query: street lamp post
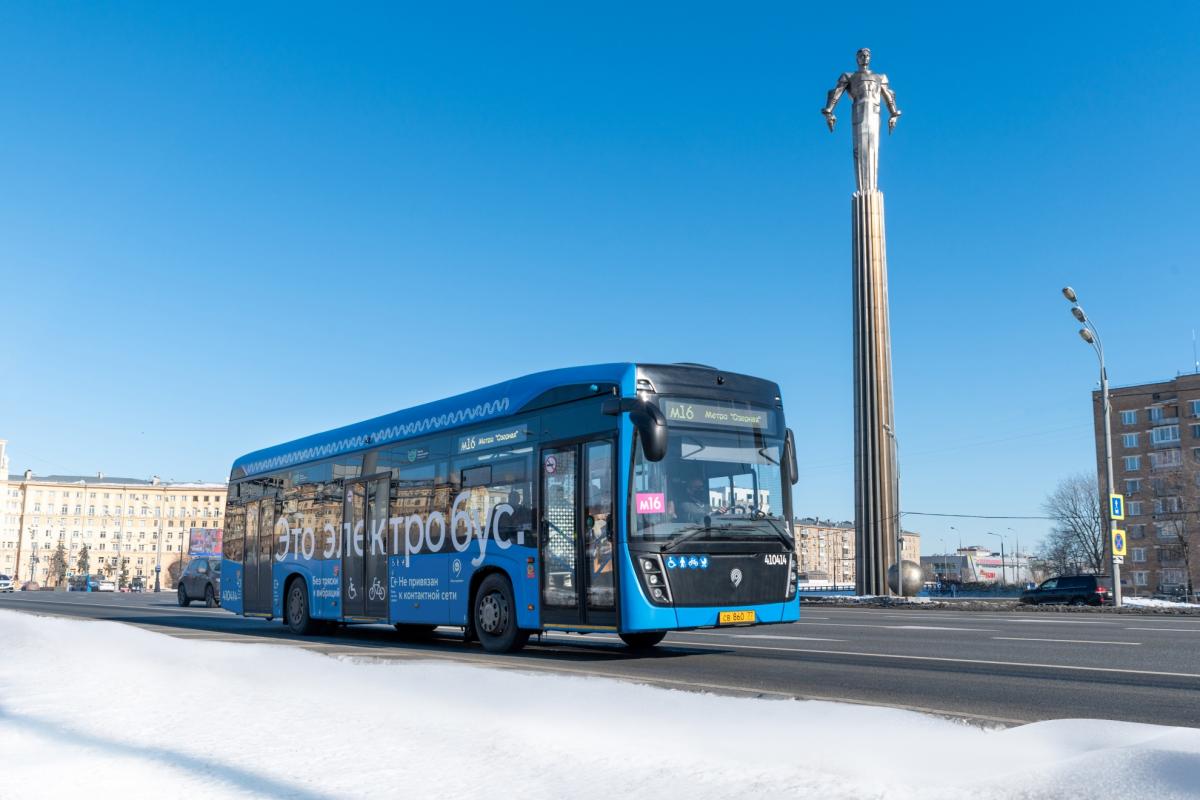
column 1092, row 336
column 1018, row 579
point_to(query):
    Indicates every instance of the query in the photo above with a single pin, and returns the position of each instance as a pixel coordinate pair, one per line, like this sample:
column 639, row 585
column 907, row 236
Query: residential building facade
column 825, row 551
column 129, row 526
column 1156, row 466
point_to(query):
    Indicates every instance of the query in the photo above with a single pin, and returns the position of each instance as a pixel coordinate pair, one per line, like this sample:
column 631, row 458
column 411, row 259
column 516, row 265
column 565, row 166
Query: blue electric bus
column 630, row 498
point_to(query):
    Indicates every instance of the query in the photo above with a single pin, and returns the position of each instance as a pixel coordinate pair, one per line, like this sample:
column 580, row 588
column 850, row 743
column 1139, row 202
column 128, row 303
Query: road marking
column 893, row 627
column 161, row 609
column 984, row 616
column 1066, row 641
column 1176, row 630
column 936, row 628
column 1063, row 621
column 760, row 636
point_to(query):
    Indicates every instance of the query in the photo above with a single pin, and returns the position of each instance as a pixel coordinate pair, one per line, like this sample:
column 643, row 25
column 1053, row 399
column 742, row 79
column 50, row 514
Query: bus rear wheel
column 495, row 616
column 296, row 614
column 642, row 641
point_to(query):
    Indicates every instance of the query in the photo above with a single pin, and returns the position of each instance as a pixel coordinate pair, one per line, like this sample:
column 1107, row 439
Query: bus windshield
column 713, row 484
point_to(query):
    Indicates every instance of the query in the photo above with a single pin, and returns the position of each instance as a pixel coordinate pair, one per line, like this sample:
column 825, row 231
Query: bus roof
column 491, row 402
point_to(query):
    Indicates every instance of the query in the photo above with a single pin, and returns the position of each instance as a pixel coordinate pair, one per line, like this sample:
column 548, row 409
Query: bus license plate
column 734, row 617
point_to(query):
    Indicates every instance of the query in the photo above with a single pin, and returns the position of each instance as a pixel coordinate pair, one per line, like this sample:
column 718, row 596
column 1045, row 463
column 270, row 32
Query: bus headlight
column 791, row 588
column 656, row 580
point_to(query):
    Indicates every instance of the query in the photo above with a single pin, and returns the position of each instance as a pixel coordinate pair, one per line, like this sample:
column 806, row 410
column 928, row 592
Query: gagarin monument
column 876, row 476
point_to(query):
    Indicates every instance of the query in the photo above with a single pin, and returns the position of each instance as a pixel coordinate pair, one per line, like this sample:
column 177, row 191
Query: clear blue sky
column 224, row 225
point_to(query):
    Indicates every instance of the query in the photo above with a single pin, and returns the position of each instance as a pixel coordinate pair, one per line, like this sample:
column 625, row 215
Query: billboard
column 205, row 541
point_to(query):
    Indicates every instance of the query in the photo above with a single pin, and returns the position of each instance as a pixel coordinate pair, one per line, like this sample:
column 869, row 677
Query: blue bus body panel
column 231, row 586
column 498, row 401
column 325, row 590
column 435, row 588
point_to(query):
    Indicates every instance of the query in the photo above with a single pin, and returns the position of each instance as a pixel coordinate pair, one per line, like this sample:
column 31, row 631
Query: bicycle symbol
column 376, row 591
column 351, row 592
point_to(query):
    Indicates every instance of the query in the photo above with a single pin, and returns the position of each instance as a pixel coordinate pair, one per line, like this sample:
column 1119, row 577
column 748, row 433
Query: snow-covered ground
column 99, row 710
column 1150, row 602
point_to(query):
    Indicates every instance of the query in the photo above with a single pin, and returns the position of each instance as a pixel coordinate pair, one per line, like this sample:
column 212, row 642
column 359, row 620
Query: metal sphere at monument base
column 914, row 579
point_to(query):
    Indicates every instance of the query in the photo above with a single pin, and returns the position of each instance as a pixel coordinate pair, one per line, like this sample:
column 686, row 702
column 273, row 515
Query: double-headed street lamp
column 1092, row 336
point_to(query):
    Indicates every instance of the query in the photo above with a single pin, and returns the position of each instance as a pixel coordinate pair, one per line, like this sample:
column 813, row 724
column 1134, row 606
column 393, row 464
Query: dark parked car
column 201, row 581
column 1075, row 590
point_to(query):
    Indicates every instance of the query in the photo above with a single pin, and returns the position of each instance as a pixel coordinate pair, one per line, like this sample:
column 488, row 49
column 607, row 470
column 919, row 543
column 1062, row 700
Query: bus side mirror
column 649, row 421
column 789, row 447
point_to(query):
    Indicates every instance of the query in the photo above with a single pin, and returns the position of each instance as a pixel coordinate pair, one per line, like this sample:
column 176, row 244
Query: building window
column 1171, row 577
column 1141, row 578
column 1133, row 463
column 1155, row 413
column 1139, row 555
column 1168, row 530
column 1133, row 485
column 1164, row 459
column 1194, row 406
column 1129, row 440
column 1166, row 505
column 1195, row 429
column 1135, row 508
column 1165, row 434
column 1129, row 417
column 1196, row 458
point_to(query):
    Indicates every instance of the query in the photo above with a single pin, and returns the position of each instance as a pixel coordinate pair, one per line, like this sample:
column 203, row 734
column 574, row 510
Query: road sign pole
column 1116, row 567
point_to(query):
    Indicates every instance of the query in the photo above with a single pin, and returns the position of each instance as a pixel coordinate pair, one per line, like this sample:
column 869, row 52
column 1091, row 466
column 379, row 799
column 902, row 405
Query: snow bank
column 103, row 710
column 1150, row 602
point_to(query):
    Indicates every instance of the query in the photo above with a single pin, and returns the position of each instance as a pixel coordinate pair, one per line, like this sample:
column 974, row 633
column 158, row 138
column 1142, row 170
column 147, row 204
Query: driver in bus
column 694, row 506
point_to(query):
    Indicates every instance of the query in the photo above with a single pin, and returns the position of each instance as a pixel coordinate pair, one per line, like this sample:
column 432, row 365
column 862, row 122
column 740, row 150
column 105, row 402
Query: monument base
column 876, row 481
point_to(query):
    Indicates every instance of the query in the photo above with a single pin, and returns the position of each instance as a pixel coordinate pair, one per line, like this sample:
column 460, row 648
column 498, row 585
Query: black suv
column 1075, row 590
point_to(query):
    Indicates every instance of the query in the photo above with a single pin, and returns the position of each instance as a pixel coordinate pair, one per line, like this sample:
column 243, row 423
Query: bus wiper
column 684, row 535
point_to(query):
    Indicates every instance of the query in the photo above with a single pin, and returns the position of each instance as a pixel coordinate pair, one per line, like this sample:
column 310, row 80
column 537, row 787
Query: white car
column 107, row 586
column 6, row 584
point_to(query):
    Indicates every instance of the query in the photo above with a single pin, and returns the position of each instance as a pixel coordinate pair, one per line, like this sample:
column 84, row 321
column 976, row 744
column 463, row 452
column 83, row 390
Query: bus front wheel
column 495, row 616
column 642, row 641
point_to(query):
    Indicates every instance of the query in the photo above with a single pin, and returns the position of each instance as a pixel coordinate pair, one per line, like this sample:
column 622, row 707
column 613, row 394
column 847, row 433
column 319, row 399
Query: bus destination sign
column 513, row 434
column 688, row 412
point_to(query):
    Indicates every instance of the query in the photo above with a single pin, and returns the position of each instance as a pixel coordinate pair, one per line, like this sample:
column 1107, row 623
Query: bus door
column 364, row 547
column 259, row 556
column 578, row 535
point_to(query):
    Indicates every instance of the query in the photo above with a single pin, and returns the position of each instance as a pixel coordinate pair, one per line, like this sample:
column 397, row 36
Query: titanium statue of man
column 866, row 88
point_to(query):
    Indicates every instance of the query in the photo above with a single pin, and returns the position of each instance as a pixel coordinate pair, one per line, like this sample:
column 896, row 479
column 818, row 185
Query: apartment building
column 138, row 524
column 825, row 550
column 1156, row 465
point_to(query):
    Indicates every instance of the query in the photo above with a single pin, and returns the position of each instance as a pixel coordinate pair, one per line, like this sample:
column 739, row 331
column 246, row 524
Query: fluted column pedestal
column 876, row 481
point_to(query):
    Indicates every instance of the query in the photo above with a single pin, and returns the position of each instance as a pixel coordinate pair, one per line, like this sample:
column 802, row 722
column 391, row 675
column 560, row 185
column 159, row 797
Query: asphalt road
column 1004, row 666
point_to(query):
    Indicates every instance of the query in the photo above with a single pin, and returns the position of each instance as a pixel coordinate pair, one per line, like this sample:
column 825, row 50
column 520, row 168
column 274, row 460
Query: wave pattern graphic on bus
column 480, row 411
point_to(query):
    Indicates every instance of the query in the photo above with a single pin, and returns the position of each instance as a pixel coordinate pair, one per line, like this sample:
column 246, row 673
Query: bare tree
column 1076, row 542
